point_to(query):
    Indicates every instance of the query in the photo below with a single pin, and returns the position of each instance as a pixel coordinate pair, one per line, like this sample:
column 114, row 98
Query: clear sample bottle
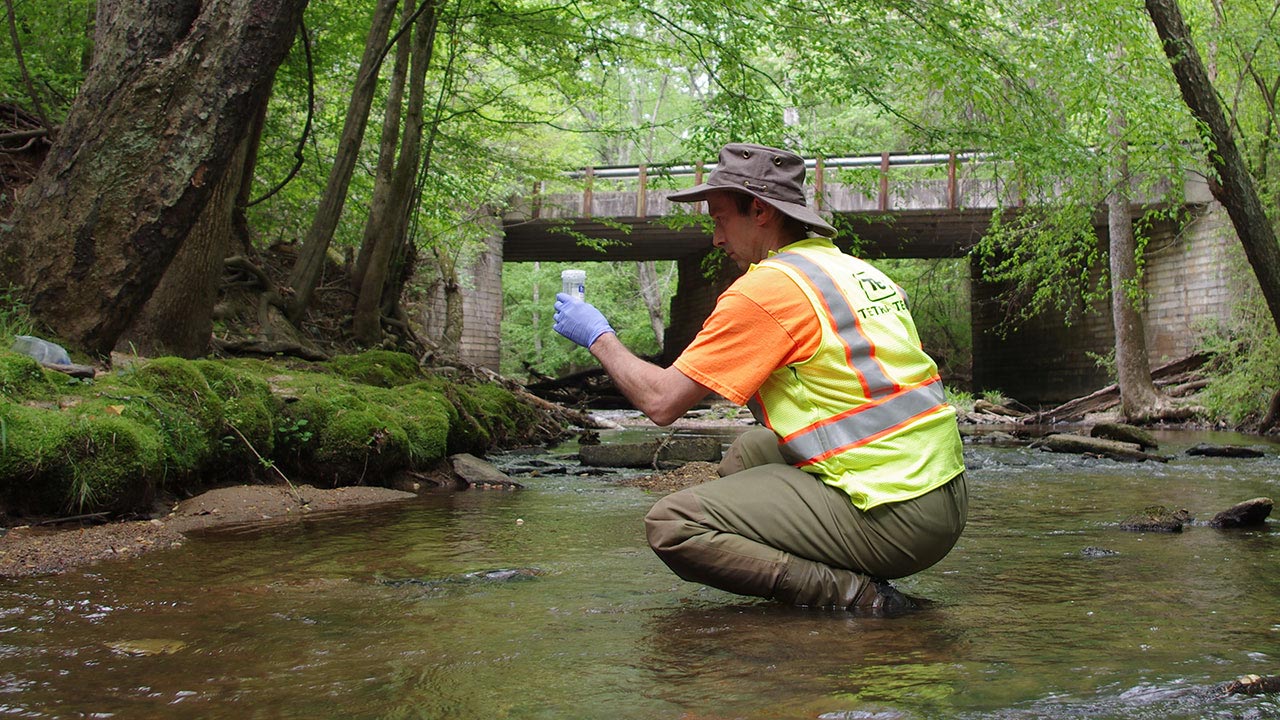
column 574, row 282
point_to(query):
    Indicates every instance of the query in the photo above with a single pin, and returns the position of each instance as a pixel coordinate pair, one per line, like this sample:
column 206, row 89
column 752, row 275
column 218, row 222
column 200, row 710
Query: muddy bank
column 41, row 550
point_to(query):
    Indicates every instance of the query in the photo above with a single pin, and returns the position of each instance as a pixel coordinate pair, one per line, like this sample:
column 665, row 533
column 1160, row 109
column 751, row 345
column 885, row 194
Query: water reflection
column 378, row 614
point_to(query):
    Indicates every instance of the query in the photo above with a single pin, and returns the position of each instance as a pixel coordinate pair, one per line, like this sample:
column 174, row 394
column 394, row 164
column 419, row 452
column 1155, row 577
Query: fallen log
column 1109, row 396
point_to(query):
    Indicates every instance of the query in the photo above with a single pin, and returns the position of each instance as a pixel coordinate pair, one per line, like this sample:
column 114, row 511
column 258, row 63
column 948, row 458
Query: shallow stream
column 1045, row 609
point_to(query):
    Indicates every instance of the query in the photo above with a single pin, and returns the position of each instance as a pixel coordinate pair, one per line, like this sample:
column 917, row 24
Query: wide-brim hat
column 775, row 176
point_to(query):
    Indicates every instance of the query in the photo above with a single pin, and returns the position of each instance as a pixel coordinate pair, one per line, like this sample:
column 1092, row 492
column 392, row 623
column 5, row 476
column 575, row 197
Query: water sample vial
column 574, row 282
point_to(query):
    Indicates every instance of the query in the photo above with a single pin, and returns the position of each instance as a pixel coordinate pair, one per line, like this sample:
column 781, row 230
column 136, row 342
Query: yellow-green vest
column 866, row 413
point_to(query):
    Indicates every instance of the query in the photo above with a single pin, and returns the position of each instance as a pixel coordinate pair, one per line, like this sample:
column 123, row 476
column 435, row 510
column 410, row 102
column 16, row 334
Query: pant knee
column 671, row 522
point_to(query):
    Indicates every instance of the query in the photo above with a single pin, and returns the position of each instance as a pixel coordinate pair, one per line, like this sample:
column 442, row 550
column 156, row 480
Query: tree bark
column 147, row 139
column 307, row 269
column 1235, row 188
column 178, row 318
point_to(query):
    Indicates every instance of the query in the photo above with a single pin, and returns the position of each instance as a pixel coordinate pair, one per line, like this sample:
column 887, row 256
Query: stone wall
column 1193, row 276
column 481, row 277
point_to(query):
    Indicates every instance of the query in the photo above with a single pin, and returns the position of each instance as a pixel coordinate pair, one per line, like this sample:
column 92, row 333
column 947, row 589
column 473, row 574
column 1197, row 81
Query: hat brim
column 800, row 212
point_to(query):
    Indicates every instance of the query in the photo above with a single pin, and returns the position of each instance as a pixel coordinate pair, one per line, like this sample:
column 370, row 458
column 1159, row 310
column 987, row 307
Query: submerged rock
column 1097, row 552
column 1245, row 514
column 1122, row 432
column 496, row 575
column 1229, row 451
column 1157, row 518
column 1252, row 685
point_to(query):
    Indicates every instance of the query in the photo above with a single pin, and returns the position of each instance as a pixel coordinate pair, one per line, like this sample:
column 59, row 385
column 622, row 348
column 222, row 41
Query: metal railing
column 819, row 166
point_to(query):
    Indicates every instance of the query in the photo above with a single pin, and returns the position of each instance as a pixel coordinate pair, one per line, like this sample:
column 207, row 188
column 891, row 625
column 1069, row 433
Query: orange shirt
column 762, row 322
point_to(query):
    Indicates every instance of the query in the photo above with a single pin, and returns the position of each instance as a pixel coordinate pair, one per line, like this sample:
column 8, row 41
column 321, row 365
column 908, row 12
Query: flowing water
column 1045, row 609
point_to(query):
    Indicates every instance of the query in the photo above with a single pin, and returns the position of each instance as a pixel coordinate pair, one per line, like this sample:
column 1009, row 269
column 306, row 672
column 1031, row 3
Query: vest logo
column 875, row 290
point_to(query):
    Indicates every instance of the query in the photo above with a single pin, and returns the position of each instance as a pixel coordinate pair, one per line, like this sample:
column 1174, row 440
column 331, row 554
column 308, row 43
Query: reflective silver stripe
column 825, row 439
column 874, row 381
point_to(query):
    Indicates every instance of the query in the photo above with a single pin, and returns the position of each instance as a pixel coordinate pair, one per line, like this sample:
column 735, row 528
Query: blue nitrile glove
column 578, row 320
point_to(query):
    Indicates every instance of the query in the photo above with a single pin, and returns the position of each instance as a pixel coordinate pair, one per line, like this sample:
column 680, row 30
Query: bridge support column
column 481, row 277
column 694, row 299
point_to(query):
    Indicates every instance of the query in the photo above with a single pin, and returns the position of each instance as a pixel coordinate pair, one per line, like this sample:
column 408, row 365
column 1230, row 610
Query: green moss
column 32, row 460
column 249, row 410
column 113, row 462
column 427, row 418
column 108, row 444
column 22, row 377
column 83, row 460
column 381, row 368
column 360, row 440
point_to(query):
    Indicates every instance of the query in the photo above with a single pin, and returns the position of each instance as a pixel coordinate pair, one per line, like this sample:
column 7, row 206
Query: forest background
column 301, row 178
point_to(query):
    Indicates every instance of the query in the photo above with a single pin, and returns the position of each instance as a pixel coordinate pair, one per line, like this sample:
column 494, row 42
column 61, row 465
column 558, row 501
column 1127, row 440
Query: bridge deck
column 923, row 216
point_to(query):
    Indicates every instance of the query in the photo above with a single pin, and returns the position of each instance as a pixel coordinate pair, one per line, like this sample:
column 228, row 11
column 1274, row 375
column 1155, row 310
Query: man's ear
column 762, row 211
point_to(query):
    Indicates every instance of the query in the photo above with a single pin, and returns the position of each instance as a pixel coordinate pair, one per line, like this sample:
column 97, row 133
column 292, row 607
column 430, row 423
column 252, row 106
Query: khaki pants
column 770, row 530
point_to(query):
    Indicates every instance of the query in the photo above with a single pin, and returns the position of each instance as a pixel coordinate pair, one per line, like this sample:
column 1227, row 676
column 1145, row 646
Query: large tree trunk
column 1235, row 188
column 392, row 240
column 178, row 318
column 306, row 272
column 146, row 141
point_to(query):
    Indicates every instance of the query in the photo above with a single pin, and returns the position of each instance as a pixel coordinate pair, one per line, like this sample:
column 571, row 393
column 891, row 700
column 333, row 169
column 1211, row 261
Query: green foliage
column 940, row 304
column 962, row 400
column 1245, row 366
column 529, row 290
column 14, row 317
column 55, row 39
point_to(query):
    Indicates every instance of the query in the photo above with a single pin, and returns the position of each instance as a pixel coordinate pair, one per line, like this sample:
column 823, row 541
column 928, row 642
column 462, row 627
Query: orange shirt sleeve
column 761, row 323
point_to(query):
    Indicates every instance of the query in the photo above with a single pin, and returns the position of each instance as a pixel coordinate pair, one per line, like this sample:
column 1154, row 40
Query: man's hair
column 792, row 228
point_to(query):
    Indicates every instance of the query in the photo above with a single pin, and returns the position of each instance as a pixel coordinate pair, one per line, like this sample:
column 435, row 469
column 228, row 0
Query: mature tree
column 147, row 140
column 1234, row 185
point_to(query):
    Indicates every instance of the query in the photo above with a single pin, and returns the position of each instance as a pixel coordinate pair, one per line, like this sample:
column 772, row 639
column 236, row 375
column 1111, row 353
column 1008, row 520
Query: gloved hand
column 578, row 320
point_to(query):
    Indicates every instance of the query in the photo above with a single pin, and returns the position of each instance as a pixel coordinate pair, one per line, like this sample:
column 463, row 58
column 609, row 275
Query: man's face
column 738, row 234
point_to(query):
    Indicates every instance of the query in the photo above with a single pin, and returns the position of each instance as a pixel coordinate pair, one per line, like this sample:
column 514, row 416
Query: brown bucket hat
column 775, row 176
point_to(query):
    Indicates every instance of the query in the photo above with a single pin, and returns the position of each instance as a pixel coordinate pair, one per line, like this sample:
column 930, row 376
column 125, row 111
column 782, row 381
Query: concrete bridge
column 885, row 206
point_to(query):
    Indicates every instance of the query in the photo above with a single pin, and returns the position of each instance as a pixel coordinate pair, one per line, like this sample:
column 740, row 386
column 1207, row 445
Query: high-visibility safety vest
column 866, row 413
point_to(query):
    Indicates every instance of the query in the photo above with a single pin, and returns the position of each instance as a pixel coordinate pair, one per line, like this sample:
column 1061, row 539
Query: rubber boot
column 810, row 584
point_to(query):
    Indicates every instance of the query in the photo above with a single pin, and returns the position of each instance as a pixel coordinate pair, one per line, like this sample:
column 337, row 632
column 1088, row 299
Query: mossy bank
column 174, row 426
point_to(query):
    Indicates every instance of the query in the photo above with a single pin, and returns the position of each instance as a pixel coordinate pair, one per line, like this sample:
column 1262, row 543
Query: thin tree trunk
column 384, row 174
column 1234, row 188
column 536, row 300
column 451, row 332
column 307, row 269
column 1138, row 398
column 651, row 294
column 149, row 136
column 366, row 321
